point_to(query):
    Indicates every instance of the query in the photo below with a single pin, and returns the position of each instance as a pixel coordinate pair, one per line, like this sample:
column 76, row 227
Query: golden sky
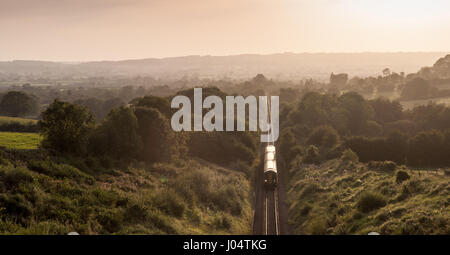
column 81, row 30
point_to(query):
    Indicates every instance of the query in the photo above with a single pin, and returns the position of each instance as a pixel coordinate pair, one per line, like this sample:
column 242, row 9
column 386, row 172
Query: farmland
column 24, row 141
column 23, row 121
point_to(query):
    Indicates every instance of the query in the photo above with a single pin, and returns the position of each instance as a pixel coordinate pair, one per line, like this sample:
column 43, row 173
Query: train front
column 270, row 168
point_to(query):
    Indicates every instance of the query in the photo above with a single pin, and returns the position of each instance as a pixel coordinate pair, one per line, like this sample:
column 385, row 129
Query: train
column 270, row 167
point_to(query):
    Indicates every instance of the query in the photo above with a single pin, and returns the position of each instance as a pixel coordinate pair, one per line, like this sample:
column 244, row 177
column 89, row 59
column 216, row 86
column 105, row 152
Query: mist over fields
column 283, row 66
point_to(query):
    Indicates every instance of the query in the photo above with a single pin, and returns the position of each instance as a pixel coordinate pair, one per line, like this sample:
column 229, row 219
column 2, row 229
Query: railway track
column 267, row 215
column 271, row 215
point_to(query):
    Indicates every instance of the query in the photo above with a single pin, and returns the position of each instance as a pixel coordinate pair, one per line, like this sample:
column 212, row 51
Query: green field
column 23, row 141
column 5, row 120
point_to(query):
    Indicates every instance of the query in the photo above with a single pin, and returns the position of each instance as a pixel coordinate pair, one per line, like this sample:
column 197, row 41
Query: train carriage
column 270, row 168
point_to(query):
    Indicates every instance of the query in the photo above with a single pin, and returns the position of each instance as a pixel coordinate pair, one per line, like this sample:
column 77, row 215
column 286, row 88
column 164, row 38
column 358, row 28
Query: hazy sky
column 80, row 30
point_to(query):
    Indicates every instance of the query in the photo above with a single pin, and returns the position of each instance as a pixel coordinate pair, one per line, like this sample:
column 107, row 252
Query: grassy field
column 24, row 141
column 5, row 120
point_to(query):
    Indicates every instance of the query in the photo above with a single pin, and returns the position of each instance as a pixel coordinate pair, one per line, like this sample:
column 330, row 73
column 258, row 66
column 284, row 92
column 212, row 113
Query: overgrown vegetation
column 338, row 198
column 126, row 174
column 47, row 196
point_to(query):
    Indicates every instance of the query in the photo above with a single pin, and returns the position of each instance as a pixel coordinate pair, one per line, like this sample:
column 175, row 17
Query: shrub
column 135, row 214
column 304, row 211
column 19, row 127
column 105, row 197
column 14, row 176
column 3, row 160
column 169, row 202
column 194, row 216
column 349, row 156
column 311, row 155
column 57, row 208
column 310, row 189
column 241, row 166
column 325, row 136
column 60, row 171
column 66, row 127
column 318, row 226
column 387, row 166
column 111, row 221
column 369, row 201
column 222, row 222
column 16, row 205
column 227, row 199
column 160, row 222
column 401, row 176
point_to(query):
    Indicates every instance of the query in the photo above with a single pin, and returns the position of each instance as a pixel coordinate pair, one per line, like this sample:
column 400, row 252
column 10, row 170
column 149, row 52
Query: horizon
column 230, row 55
column 84, row 31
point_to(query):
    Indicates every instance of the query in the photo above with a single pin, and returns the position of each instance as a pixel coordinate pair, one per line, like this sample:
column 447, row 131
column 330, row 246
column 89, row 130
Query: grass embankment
column 22, row 141
column 91, row 197
column 356, row 198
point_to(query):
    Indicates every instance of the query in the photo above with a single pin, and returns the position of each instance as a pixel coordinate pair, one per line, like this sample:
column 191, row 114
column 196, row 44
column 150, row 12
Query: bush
column 304, row 211
column 386, row 166
column 311, row 155
column 14, row 176
column 318, row 226
column 222, row 222
column 19, row 127
column 111, row 221
column 161, row 222
column 60, row 171
column 349, row 156
column 369, row 201
column 227, row 199
column 310, row 189
column 135, row 214
column 66, row 128
column 325, row 136
column 402, row 176
column 169, row 202
column 16, row 205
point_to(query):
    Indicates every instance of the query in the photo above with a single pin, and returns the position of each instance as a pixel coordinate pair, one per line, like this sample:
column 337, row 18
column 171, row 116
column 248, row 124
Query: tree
column 287, row 142
column 323, row 136
column 338, row 80
column 160, row 142
column 427, row 149
column 349, row 156
column 397, row 147
column 66, row 127
column 118, row 135
column 159, row 103
column 386, row 110
column 94, row 105
column 417, row 88
column 17, row 103
column 358, row 111
column 110, row 104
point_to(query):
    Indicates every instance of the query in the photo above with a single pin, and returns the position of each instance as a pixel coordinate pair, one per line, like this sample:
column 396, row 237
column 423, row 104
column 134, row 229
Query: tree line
column 322, row 126
column 138, row 131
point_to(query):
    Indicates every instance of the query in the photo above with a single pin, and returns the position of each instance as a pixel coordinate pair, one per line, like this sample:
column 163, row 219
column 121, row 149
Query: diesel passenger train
column 270, row 168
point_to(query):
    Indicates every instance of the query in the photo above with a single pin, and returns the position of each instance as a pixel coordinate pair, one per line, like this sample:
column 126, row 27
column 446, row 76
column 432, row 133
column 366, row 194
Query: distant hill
column 284, row 66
